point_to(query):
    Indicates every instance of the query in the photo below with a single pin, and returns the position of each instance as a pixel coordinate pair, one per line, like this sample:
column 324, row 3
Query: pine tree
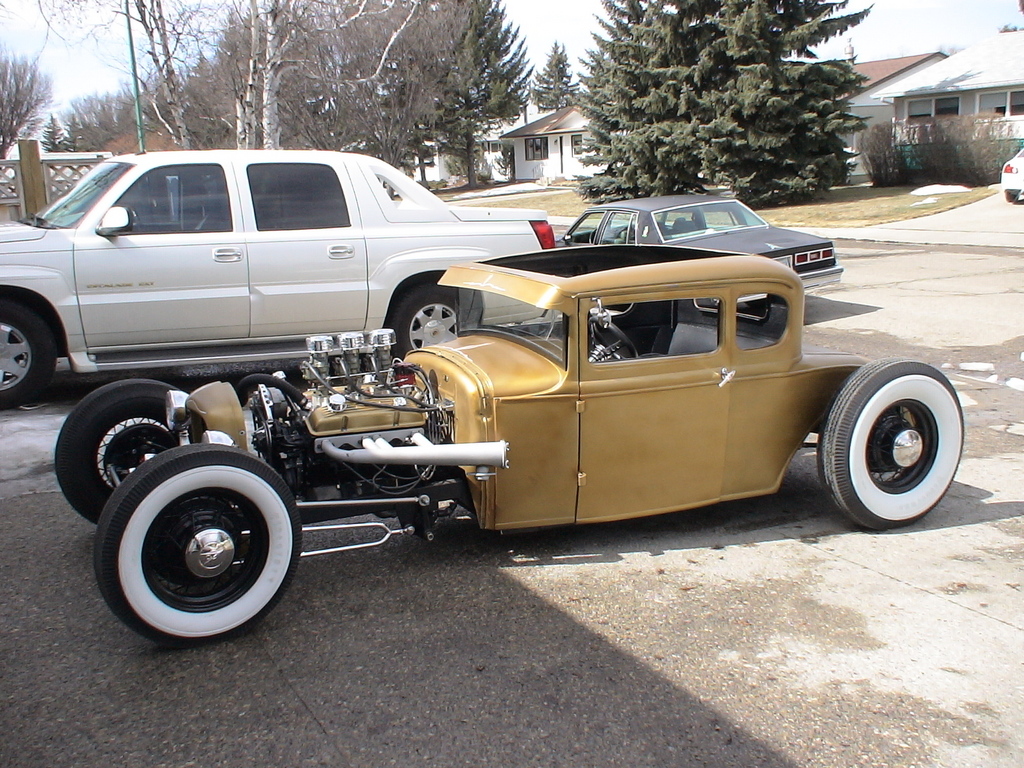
column 773, row 132
column 53, row 135
column 553, row 87
column 686, row 92
column 639, row 97
column 487, row 84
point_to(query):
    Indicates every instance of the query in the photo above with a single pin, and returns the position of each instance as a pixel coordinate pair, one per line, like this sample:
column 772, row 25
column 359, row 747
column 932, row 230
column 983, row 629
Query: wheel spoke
column 15, row 356
column 433, row 324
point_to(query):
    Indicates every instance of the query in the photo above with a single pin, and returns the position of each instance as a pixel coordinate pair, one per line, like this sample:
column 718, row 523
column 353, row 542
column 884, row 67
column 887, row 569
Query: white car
column 1013, row 178
column 179, row 258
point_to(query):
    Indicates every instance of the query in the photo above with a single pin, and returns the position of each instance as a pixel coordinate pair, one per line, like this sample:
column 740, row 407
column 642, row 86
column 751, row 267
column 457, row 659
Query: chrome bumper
column 820, row 277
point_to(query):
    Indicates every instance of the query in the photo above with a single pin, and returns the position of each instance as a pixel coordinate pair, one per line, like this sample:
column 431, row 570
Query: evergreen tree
column 52, row 138
column 639, row 97
column 487, row 84
column 773, row 133
column 553, row 87
column 684, row 92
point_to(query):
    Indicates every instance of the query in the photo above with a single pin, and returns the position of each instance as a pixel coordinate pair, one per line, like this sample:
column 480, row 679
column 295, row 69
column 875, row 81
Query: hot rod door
column 653, row 428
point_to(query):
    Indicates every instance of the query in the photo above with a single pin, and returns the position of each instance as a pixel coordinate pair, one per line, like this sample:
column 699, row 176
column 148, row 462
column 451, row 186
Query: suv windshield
column 496, row 315
column 69, row 210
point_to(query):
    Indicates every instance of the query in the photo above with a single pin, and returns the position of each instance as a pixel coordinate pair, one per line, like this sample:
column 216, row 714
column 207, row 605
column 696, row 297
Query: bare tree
column 174, row 35
column 291, row 25
column 384, row 115
column 25, row 94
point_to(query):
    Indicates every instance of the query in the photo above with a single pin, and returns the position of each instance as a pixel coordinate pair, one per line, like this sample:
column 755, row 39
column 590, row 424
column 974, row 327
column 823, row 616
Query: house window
column 577, row 144
column 950, row 105
column 537, row 149
column 919, row 109
column 992, row 103
column 1017, row 102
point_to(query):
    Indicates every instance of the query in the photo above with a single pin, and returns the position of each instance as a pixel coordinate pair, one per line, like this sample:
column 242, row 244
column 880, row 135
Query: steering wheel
column 608, row 342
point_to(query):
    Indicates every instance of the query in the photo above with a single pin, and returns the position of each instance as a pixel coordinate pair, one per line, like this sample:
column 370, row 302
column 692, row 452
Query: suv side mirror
column 116, row 221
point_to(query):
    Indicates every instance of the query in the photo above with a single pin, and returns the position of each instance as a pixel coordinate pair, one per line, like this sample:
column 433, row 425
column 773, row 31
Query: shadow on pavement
column 818, row 309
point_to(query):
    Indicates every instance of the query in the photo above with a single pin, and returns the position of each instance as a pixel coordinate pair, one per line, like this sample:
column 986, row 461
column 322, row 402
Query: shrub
column 885, row 163
column 967, row 150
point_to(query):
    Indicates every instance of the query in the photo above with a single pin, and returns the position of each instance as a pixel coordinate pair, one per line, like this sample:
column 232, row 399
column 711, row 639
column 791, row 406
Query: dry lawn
column 867, row 206
column 860, row 206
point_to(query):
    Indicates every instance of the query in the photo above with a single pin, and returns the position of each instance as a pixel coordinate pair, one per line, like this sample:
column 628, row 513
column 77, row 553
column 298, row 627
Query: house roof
column 997, row 62
column 564, row 120
column 883, row 70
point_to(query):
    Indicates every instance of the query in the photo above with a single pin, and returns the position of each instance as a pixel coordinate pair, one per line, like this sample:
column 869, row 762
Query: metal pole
column 139, row 128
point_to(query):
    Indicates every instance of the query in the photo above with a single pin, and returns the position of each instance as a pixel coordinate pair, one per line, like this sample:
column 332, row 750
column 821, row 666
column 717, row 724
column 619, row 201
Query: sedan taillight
column 545, row 234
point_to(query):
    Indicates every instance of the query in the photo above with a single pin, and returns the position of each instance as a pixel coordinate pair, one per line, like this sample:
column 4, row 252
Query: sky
column 94, row 58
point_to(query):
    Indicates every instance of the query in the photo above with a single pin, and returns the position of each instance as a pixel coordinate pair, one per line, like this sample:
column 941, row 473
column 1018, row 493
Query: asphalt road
column 766, row 632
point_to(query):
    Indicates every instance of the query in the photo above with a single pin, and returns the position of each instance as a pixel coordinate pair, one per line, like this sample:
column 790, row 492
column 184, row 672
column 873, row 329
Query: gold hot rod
column 586, row 385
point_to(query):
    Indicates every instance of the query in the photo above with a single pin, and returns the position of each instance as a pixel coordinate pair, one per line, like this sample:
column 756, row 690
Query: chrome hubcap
column 433, row 324
column 15, row 356
column 907, row 448
column 210, row 552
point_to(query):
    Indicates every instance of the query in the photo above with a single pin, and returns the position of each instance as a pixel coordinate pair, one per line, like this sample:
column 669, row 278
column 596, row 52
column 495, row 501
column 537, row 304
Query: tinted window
column 179, row 198
column 296, row 196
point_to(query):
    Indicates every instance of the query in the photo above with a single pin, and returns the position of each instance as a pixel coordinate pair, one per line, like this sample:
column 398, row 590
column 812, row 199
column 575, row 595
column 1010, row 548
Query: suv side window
column 296, row 196
column 179, row 198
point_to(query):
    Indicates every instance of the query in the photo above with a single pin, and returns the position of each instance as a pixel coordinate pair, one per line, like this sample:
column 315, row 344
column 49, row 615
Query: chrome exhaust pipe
column 422, row 452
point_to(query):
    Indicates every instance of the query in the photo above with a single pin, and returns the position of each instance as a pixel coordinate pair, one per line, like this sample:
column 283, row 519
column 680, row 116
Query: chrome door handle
column 227, row 255
column 341, row 251
column 726, row 375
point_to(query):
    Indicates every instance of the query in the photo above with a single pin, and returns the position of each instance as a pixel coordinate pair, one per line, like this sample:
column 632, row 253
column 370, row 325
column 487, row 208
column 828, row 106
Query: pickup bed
column 172, row 258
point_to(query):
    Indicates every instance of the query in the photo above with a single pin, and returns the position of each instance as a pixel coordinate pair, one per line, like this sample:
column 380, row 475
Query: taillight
column 545, row 234
column 1010, row 168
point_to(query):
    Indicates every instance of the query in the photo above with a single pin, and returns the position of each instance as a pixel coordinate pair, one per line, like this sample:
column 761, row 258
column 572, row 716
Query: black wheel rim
column 128, row 444
column 178, row 524
column 898, row 419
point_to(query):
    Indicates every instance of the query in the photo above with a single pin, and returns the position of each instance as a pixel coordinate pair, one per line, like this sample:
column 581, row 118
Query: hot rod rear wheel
column 106, row 437
column 891, row 443
column 197, row 544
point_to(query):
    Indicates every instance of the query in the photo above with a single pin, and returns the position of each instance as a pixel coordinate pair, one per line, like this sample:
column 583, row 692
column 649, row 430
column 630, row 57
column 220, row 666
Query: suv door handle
column 227, row 255
column 341, row 251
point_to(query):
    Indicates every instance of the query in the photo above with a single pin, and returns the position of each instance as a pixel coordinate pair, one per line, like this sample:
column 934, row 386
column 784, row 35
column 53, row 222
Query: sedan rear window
column 690, row 220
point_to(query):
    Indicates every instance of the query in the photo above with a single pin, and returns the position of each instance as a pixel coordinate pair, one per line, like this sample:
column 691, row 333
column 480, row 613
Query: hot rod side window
column 761, row 321
column 654, row 329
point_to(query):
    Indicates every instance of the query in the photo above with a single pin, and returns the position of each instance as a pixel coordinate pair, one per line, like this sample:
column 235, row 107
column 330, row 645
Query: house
column 551, row 147
column 985, row 79
column 879, row 75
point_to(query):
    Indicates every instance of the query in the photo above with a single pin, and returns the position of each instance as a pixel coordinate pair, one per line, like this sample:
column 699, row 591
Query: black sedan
column 704, row 221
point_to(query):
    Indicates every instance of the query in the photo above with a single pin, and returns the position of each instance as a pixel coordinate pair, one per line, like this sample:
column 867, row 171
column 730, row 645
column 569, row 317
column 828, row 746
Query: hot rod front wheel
column 891, row 443
column 197, row 544
column 106, row 437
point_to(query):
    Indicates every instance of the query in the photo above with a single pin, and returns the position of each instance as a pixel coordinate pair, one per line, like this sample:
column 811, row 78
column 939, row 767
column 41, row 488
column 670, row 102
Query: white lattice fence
column 10, row 190
column 62, row 175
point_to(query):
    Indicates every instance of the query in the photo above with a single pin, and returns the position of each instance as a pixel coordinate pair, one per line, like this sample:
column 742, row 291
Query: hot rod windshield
column 495, row 314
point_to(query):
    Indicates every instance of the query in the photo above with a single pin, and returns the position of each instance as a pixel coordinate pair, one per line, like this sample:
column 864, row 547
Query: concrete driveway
column 766, row 632
column 989, row 222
